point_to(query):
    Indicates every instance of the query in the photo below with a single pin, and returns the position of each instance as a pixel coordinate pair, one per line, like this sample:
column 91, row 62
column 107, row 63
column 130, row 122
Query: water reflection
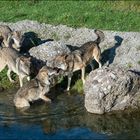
column 66, row 117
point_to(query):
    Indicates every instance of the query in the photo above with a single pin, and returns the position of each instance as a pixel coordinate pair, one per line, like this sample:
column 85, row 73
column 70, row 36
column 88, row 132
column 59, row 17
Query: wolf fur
column 10, row 38
column 16, row 62
column 80, row 58
column 35, row 89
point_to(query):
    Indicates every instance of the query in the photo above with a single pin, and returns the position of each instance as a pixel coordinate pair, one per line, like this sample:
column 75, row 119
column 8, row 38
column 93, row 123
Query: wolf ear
column 29, row 58
column 65, row 56
column 9, row 37
column 24, row 59
column 68, row 57
column 21, row 59
column 16, row 33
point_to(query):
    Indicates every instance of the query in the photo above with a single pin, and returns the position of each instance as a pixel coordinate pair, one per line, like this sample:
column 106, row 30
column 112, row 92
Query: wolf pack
column 39, row 81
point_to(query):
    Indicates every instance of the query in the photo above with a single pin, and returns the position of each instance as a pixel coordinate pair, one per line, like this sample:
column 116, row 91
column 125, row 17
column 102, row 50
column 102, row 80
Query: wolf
column 35, row 89
column 19, row 64
column 10, row 38
column 79, row 58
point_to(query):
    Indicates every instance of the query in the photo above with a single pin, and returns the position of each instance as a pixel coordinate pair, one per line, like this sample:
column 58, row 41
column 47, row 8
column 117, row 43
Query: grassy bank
column 4, row 81
column 110, row 15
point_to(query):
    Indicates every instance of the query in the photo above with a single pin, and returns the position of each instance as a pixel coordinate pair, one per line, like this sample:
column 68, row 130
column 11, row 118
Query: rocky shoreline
column 119, row 49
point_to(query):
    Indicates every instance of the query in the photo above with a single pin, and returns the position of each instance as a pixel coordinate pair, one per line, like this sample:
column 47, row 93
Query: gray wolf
column 17, row 63
column 10, row 38
column 35, row 89
column 79, row 58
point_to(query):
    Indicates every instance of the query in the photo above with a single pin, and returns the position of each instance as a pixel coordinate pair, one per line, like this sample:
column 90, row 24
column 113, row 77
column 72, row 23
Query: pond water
column 64, row 118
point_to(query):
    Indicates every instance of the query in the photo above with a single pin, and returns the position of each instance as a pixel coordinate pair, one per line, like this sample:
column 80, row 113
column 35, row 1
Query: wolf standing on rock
column 80, row 58
column 10, row 38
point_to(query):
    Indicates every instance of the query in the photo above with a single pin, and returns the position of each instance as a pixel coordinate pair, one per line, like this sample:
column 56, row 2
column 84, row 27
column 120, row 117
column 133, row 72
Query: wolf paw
column 12, row 81
column 48, row 100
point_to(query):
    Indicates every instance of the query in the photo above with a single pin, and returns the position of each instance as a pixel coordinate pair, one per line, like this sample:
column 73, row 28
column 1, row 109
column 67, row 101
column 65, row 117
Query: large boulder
column 49, row 50
column 111, row 88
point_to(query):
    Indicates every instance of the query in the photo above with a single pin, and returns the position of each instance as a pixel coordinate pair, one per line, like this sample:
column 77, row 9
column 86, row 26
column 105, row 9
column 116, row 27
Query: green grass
column 110, row 15
column 78, row 86
column 4, row 81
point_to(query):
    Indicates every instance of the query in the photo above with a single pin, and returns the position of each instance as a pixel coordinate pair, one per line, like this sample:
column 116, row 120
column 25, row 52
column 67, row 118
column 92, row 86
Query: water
column 64, row 118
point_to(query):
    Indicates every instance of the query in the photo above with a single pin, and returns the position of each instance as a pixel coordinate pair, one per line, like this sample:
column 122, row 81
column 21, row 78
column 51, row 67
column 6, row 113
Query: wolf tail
column 100, row 36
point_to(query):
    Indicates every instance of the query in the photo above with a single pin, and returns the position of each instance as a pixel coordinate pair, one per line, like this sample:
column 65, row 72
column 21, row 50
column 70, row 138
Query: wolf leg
column 9, row 76
column 69, row 81
column 21, row 80
column 83, row 75
column 44, row 98
column 98, row 60
column 100, row 65
column 21, row 103
column 28, row 78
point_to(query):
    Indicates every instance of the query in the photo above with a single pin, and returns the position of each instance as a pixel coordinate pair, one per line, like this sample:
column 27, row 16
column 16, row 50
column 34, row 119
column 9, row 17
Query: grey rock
column 121, row 49
column 49, row 50
column 111, row 88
